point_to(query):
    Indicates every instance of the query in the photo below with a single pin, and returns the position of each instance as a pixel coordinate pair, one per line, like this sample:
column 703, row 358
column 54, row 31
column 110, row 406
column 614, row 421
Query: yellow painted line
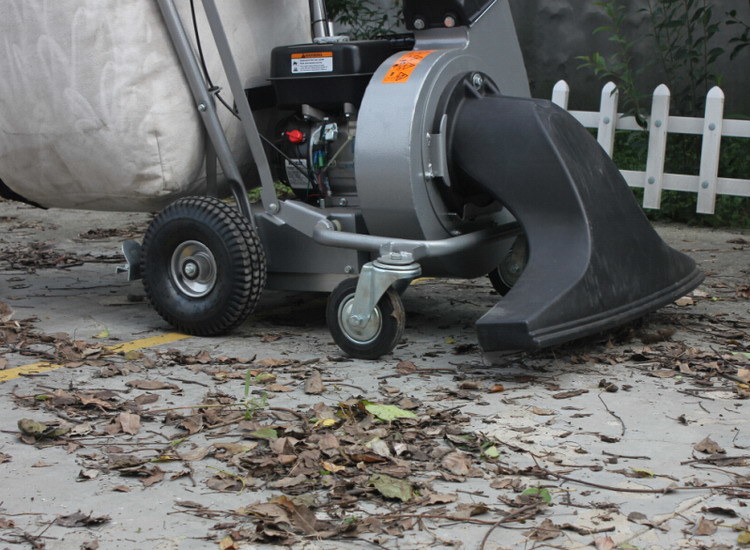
column 44, row 366
column 148, row 342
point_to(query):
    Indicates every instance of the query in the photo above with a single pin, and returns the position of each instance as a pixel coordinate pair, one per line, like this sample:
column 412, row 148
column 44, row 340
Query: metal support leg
column 212, row 185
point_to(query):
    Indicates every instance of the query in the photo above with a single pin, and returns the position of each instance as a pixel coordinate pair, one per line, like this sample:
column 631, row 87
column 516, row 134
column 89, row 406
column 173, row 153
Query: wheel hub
column 514, row 262
column 355, row 328
column 193, row 269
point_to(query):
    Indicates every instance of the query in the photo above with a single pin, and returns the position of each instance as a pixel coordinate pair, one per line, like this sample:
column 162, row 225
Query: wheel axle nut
column 190, row 269
column 356, row 320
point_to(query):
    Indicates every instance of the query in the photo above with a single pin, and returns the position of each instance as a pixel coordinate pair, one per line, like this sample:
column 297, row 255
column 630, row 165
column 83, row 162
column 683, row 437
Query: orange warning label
column 402, row 69
column 309, row 55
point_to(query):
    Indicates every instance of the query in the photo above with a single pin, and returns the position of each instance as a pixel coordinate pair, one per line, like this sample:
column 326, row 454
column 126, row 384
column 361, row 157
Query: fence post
column 561, row 94
column 712, row 127
column 657, row 147
column 608, row 117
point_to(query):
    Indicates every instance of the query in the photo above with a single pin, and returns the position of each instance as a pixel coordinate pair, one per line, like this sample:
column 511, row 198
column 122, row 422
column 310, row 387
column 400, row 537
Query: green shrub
column 683, row 157
column 363, row 19
column 684, row 36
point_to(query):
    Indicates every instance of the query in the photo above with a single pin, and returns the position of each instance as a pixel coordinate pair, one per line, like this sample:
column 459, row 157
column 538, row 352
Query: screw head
column 202, row 107
column 420, row 24
column 477, row 80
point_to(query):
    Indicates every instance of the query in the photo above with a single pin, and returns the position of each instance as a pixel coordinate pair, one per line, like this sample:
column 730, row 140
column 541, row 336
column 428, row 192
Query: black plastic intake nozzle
column 594, row 260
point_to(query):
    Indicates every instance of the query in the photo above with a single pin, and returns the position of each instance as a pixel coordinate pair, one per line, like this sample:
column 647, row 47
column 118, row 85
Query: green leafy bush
column 363, row 19
column 685, row 39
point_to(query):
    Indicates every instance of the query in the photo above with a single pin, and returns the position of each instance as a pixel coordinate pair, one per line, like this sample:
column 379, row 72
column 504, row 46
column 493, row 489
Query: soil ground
column 638, row 438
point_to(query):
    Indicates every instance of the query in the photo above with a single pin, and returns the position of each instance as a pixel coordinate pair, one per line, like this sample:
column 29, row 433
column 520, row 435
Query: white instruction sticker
column 312, row 62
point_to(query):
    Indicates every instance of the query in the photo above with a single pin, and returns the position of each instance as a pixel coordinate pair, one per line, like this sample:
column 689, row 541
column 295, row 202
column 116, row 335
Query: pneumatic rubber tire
column 203, row 266
column 382, row 332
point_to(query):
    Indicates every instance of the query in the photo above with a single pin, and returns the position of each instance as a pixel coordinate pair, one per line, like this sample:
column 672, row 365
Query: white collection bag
column 95, row 112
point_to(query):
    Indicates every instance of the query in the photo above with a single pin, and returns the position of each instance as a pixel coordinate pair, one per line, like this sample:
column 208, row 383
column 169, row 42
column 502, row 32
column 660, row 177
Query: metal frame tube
column 325, row 233
column 319, row 19
column 268, row 192
column 205, row 104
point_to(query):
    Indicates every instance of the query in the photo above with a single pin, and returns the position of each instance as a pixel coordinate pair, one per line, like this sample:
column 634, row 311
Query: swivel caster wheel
column 203, row 266
column 378, row 336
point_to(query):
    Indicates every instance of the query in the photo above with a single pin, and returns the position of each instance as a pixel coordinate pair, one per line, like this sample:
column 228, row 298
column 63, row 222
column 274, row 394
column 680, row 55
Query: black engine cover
column 328, row 75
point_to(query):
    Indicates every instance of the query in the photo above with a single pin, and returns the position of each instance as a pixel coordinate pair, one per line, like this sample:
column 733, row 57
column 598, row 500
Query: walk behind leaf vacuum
column 411, row 155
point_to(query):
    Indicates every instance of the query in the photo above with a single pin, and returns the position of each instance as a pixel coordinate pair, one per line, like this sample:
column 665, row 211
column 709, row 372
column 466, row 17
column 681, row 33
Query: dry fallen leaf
column 545, row 531
column 199, row 453
column 129, row 422
column 6, row 312
column 288, row 482
column 406, row 367
column 314, row 383
column 457, row 463
column 467, row 510
column 331, row 467
column 150, row 385
column 708, row 446
column 279, row 388
column 193, row 423
column 705, row 527
column 78, row 519
column 569, row 394
column 439, row 498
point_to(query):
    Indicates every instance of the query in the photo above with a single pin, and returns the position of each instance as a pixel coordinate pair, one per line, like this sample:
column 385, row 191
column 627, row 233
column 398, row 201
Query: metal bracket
column 437, row 161
column 132, row 252
column 374, row 280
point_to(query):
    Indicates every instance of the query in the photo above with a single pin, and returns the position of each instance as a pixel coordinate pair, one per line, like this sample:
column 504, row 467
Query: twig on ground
column 516, row 515
column 188, row 381
column 634, row 457
column 613, row 414
column 711, row 459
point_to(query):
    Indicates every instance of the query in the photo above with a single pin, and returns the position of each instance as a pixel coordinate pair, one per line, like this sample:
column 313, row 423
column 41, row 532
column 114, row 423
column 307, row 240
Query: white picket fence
column 707, row 184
